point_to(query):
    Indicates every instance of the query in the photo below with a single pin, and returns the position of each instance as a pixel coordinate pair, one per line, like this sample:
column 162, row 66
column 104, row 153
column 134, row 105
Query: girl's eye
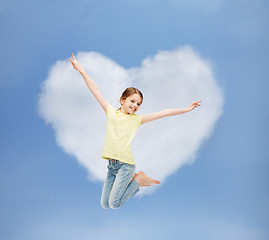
column 138, row 104
column 132, row 100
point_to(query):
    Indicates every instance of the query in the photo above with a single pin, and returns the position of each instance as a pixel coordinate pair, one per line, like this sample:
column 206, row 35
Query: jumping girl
column 121, row 125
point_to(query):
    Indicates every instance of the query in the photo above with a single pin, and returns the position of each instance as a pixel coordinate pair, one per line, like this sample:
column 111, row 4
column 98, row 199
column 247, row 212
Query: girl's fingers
column 72, row 62
column 73, row 57
column 195, row 105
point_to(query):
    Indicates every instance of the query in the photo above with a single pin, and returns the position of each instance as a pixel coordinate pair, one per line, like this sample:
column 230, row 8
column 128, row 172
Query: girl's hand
column 194, row 105
column 76, row 64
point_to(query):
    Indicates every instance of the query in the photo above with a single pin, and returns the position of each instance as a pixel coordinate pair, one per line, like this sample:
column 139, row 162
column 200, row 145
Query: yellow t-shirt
column 120, row 131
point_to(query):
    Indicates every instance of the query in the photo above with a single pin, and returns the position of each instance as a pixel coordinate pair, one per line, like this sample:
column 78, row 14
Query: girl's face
column 131, row 104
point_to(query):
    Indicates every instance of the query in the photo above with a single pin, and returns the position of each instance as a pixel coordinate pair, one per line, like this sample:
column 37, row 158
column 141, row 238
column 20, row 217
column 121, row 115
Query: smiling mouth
column 133, row 109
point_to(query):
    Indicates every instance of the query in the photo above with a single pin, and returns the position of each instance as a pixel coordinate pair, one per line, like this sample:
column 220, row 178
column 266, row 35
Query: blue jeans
column 118, row 187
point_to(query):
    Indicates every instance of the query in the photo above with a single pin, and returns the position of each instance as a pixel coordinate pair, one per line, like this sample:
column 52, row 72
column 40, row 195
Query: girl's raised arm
column 90, row 83
column 168, row 112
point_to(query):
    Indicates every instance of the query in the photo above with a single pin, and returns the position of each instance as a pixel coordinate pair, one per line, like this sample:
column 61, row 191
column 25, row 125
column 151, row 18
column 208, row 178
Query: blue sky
column 45, row 193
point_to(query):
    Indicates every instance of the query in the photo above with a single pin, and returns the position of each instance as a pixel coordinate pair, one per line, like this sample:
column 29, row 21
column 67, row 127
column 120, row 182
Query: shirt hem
column 107, row 158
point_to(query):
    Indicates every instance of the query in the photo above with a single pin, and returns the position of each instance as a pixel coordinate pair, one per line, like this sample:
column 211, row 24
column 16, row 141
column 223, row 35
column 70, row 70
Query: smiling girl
column 121, row 125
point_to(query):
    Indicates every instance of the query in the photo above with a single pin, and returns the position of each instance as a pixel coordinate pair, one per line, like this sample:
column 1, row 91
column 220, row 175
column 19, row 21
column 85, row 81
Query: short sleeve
column 139, row 119
column 110, row 110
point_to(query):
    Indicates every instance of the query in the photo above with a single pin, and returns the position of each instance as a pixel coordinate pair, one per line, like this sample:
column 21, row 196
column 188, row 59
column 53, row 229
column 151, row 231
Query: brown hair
column 130, row 91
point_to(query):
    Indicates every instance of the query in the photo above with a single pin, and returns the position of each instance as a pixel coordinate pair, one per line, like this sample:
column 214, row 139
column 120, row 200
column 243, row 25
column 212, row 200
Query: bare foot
column 145, row 181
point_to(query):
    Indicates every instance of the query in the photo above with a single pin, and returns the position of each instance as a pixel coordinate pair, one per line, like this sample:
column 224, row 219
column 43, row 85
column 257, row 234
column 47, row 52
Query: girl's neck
column 122, row 111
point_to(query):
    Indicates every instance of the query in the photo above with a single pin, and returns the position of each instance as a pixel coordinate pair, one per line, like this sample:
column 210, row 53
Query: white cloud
column 170, row 79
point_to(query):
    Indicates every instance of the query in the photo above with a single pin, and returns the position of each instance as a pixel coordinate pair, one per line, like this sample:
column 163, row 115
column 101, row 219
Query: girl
column 122, row 182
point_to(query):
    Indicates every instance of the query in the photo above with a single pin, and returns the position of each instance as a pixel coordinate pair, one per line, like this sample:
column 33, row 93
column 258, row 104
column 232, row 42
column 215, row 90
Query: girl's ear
column 122, row 101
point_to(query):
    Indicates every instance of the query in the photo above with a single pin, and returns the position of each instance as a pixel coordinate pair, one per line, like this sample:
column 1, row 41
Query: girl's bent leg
column 123, row 187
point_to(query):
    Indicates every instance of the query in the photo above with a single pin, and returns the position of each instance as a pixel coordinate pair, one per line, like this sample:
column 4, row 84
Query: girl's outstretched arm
column 90, row 83
column 168, row 112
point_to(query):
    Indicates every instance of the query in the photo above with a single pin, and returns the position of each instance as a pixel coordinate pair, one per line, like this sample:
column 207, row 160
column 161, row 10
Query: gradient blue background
column 224, row 194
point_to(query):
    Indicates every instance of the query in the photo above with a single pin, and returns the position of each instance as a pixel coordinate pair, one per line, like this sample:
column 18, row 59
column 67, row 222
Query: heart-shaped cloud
column 170, row 79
